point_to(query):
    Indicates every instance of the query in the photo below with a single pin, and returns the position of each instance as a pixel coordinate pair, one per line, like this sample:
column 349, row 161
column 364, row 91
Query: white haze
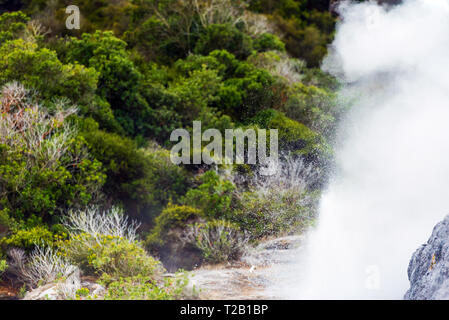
column 392, row 181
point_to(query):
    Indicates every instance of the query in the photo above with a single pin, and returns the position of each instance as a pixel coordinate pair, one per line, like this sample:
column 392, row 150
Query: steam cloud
column 392, row 181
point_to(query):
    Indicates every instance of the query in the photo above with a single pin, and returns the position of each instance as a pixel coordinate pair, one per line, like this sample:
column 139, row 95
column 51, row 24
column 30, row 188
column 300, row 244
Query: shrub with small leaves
column 146, row 288
column 27, row 238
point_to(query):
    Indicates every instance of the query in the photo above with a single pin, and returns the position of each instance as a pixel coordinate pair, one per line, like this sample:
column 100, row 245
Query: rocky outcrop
column 428, row 270
column 66, row 289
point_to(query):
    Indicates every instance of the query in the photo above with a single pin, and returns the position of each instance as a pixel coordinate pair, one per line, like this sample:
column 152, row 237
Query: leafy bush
column 274, row 213
column 227, row 37
column 28, row 238
column 40, row 69
column 12, row 24
column 267, row 42
column 249, row 90
column 119, row 257
column 119, row 81
column 173, row 216
column 213, row 196
column 307, row 26
column 293, row 135
column 145, row 288
column 218, row 240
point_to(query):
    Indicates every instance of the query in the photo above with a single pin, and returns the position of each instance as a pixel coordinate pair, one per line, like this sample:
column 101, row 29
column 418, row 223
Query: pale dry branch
column 99, row 224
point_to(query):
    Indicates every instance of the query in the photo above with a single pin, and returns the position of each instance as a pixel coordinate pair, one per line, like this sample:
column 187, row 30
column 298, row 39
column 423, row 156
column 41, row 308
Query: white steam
column 392, row 182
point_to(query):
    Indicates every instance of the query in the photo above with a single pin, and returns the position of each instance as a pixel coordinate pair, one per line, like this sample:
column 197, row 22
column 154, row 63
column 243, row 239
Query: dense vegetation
column 86, row 117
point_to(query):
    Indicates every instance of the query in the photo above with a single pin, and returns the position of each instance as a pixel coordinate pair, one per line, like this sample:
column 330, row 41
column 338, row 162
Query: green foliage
column 193, row 94
column 45, row 191
column 145, row 288
column 121, row 258
column 173, row 216
column 40, row 69
column 213, row 196
column 111, row 255
column 44, row 167
column 119, row 82
column 227, row 37
column 83, row 292
column 308, row 43
column 267, row 42
column 307, row 26
column 251, row 89
column 293, row 136
column 163, row 30
column 12, row 25
column 28, row 238
column 141, row 180
column 163, row 65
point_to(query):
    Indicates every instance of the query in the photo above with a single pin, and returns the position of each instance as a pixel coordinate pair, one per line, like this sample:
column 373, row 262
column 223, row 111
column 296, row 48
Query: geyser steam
column 392, row 181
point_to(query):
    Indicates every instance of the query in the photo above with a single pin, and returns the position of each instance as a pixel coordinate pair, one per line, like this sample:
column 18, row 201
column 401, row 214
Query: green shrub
column 213, row 196
column 267, row 42
column 145, row 288
column 293, row 135
column 40, row 69
column 307, row 26
column 121, row 258
column 28, row 238
column 249, row 90
column 227, row 37
column 193, row 95
column 173, row 216
column 115, row 256
column 119, row 81
column 12, row 25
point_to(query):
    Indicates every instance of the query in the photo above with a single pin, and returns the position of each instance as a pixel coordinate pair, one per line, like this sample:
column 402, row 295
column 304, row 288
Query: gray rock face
column 428, row 270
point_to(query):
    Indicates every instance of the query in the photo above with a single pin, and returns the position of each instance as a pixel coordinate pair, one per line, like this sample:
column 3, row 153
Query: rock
column 45, row 292
column 96, row 291
column 428, row 270
column 66, row 289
